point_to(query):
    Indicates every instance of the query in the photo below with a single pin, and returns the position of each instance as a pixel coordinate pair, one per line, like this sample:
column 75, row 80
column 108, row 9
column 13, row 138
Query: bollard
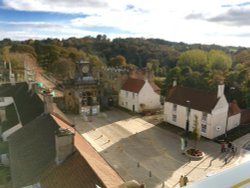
column 138, row 164
column 150, row 173
column 163, row 184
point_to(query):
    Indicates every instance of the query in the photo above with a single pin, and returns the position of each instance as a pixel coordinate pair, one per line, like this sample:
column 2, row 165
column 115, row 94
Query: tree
column 196, row 131
column 75, row 55
column 23, row 48
column 195, row 59
column 218, row 60
column 242, row 57
column 97, row 65
column 153, row 65
column 118, row 61
column 63, row 68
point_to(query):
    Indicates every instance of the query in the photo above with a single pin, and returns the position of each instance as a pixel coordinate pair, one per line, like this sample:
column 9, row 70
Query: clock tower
column 81, row 93
column 83, row 68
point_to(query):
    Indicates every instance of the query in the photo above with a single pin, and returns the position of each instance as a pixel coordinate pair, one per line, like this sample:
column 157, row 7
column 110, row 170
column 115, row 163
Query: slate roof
column 200, row 100
column 11, row 118
column 32, row 155
column 29, row 105
column 135, row 85
column 32, row 150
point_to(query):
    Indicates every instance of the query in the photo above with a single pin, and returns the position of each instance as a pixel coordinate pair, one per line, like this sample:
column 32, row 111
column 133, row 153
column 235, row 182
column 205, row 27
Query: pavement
column 137, row 149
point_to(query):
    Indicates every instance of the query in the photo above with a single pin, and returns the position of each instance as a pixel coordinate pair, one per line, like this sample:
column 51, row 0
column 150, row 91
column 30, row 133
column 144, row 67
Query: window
column 174, row 117
column 174, row 107
column 204, row 116
column 126, row 94
column 203, row 128
column 133, row 95
column 1, row 99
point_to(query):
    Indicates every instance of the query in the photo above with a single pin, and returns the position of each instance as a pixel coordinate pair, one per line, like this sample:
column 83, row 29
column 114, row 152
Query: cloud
column 194, row 16
column 226, row 6
column 20, row 35
column 43, row 30
column 62, row 6
column 233, row 17
column 35, row 25
column 194, row 21
column 243, row 4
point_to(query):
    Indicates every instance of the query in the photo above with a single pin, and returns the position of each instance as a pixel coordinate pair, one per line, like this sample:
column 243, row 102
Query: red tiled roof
column 107, row 175
column 133, row 85
column 75, row 172
column 245, row 116
column 199, row 99
column 233, row 108
column 155, row 87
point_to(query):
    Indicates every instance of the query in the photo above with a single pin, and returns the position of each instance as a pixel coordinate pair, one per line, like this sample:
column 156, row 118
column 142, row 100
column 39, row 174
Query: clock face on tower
column 85, row 69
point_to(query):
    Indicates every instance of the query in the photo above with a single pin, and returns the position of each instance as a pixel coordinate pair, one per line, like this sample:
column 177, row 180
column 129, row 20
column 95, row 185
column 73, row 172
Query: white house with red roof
column 215, row 115
column 138, row 95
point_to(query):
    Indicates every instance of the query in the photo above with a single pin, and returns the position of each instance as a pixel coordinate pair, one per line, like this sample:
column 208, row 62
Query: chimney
column 48, row 101
column 220, row 91
column 11, row 75
column 32, row 86
column 64, row 144
column 12, row 79
column 149, row 75
column 174, row 83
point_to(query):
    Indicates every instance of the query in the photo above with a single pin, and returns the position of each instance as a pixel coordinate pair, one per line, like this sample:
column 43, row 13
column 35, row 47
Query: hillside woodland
column 192, row 65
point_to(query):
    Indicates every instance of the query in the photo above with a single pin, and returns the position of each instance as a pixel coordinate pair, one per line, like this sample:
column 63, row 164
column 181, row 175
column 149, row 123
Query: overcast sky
column 223, row 22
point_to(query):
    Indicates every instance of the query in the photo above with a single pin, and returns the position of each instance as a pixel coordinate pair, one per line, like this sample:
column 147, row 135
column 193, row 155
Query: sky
column 222, row 22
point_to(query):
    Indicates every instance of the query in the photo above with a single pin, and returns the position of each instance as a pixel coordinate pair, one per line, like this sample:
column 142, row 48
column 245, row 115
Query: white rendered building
column 215, row 115
column 138, row 95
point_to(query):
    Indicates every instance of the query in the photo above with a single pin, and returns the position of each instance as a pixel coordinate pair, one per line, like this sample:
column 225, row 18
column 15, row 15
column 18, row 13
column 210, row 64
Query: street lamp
column 188, row 113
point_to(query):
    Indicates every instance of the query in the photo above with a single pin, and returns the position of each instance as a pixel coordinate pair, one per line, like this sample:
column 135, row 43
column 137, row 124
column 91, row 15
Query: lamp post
column 188, row 113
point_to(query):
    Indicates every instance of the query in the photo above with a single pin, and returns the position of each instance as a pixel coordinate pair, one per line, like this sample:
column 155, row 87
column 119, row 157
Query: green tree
column 218, row 60
column 195, row 59
column 97, row 65
column 75, row 55
column 63, row 68
column 242, row 57
column 23, row 48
